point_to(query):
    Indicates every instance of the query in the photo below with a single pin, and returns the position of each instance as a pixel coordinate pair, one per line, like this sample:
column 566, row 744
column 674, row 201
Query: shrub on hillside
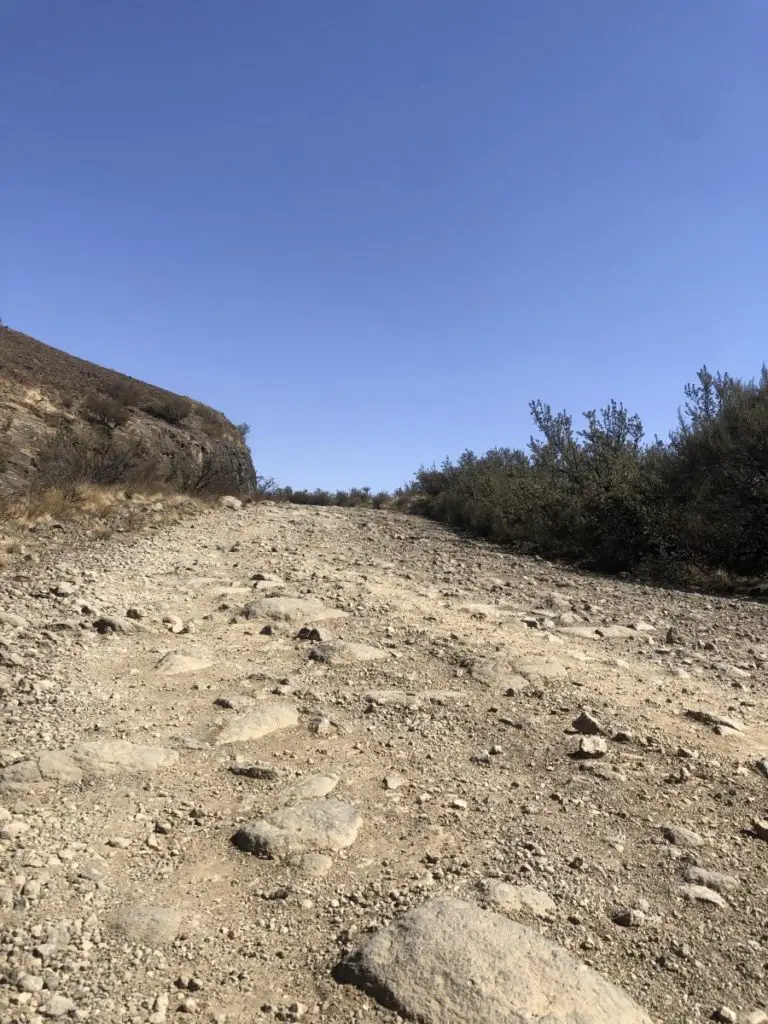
column 105, row 411
column 171, row 409
column 76, row 456
column 603, row 497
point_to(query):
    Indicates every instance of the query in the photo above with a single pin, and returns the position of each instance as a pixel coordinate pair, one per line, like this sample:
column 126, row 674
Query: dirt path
column 418, row 744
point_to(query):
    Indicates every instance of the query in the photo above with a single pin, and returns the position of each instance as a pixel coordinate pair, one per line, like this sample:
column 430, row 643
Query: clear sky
column 374, row 229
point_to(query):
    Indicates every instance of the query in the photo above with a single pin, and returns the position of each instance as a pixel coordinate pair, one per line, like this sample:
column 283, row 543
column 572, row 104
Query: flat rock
column 701, row 894
column 315, row 826
column 413, row 701
column 58, row 766
column 57, row 1006
column 175, row 663
column 313, row 788
column 678, row 835
column 345, row 652
column 711, row 879
column 714, row 720
column 585, row 632
column 539, row 668
column 291, row 609
column 109, row 756
column 496, row 673
column 261, row 721
column 147, row 925
column 616, row 632
column 516, row 899
column 11, row 619
column 449, row 961
column 489, row 611
column 314, row 865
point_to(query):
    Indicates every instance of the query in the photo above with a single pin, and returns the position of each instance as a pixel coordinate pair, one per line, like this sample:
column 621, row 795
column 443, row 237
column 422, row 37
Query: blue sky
column 374, row 229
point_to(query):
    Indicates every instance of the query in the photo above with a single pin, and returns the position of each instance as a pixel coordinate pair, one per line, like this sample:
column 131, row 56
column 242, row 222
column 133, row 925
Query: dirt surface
column 236, row 748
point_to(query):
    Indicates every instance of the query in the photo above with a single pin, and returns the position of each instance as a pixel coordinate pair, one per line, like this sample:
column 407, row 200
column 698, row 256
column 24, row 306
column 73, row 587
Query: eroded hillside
column 237, row 748
column 48, row 398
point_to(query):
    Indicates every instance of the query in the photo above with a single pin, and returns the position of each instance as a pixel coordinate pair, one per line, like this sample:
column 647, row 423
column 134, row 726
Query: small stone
column 30, row 983
column 587, row 725
column 701, row 894
column 725, row 1014
column 393, row 781
column 259, row 770
column 760, row 827
column 629, row 918
column 712, row 879
column 678, row 835
column 137, row 614
column 591, row 747
column 458, row 804
column 310, row 633
column 57, row 1006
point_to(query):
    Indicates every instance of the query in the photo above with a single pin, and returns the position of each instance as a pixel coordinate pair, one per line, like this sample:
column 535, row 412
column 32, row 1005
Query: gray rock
column 147, row 925
column 591, row 747
column 230, row 501
column 57, row 766
column 313, row 788
column 712, row 879
column 316, row 826
column 314, row 865
column 616, row 632
column 449, row 961
column 344, row 652
column 715, row 720
column 105, row 757
column 678, row 835
column 10, row 619
column 291, row 609
column 261, row 721
column 175, row 663
column 587, row 724
column 701, row 894
column 516, row 899
column 539, row 668
column 57, row 1006
column 628, row 917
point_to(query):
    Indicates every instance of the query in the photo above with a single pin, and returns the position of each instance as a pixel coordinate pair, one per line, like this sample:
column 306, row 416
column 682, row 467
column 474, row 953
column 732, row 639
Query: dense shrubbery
column 354, row 498
column 603, row 497
column 76, row 455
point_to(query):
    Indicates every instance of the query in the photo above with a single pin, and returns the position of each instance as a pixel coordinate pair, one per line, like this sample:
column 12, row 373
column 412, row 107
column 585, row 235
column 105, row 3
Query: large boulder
column 448, row 961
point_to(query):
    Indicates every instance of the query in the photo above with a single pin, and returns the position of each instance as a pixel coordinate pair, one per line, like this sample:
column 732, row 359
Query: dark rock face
column 46, row 394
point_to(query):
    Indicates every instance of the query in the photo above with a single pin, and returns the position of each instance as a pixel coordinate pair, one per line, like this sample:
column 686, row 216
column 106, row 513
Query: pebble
column 57, row 1006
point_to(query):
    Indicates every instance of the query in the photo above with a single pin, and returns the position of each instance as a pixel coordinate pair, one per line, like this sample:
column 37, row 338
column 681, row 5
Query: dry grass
column 89, row 505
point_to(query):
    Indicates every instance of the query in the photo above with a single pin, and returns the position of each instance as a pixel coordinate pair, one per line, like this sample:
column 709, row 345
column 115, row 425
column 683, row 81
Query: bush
column 105, row 411
column 213, row 472
column 172, row 409
column 77, row 456
column 695, row 505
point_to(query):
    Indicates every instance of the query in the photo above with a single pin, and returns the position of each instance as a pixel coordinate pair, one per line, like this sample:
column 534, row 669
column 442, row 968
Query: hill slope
column 160, row 701
column 44, row 391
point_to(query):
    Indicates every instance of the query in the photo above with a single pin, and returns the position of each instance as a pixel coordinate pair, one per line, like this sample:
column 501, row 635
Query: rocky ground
column 281, row 763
